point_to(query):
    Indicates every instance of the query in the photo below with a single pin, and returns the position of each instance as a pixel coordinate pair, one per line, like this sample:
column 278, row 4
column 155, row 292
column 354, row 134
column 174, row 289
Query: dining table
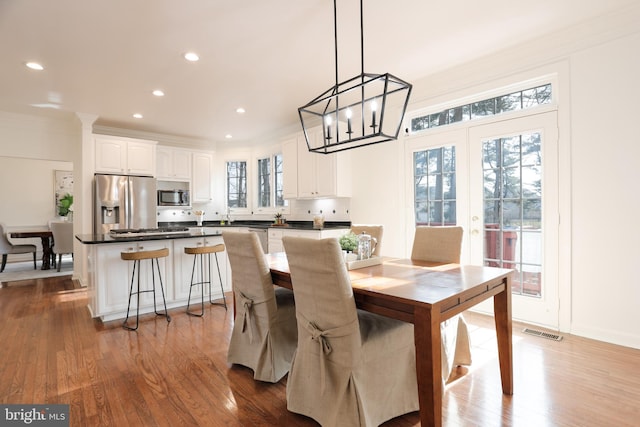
column 426, row 294
column 46, row 237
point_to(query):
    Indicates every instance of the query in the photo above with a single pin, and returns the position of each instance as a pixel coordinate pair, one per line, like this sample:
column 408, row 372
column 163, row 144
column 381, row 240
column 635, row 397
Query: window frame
column 244, row 209
column 273, row 174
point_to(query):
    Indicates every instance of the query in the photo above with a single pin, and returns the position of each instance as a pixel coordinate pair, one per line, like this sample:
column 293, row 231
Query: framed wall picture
column 63, row 190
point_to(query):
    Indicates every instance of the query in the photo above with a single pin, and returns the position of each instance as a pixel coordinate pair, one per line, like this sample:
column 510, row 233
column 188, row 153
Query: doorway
column 513, row 209
column 506, row 199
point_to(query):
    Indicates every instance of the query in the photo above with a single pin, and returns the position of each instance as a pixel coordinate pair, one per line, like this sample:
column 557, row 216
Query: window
column 237, row 184
column 270, row 178
column 278, row 180
column 435, row 186
column 264, row 183
column 518, row 100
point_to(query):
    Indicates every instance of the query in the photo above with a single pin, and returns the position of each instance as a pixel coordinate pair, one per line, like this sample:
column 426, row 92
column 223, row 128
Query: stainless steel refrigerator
column 124, row 202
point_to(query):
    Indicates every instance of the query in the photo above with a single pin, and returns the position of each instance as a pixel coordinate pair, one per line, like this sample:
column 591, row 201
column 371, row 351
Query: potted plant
column 278, row 219
column 349, row 242
column 64, row 204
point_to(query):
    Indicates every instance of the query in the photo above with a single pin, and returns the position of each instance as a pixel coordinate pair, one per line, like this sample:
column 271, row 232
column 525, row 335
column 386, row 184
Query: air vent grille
column 541, row 334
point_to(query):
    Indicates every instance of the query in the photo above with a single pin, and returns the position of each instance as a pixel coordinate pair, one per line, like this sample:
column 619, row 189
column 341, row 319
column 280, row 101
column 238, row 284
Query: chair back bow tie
column 246, row 305
column 321, row 337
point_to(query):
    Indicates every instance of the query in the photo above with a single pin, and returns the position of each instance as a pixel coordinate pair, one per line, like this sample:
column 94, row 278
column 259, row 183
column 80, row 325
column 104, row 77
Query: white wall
column 31, row 149
column 606, row 172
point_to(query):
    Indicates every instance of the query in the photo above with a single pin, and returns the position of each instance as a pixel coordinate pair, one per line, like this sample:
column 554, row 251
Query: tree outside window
column 237, row 184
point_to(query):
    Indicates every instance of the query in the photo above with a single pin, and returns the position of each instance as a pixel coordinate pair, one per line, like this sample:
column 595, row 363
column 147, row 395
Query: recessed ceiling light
column 34, row 66
column 240, row 110
column 191, row 56
column 158, row 92
column 228, row 136
column 137, row 115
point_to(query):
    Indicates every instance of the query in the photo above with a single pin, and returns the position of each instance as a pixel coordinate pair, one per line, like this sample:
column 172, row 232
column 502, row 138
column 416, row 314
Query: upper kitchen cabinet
column 202, row 185
column 322, row 175
column 125, row 156
column 173, row 164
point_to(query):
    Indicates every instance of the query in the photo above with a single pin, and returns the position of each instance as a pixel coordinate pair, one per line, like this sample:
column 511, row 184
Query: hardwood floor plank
column 176, row 374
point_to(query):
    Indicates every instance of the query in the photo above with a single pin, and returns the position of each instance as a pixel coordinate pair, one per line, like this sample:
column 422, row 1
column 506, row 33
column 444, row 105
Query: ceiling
column 270, row 57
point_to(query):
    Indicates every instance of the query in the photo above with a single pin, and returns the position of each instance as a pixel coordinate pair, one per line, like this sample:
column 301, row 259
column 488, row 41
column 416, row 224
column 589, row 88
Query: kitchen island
column 110, row 276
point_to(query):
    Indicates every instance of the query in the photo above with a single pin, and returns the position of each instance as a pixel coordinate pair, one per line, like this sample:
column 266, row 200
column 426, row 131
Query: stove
column 123, row 233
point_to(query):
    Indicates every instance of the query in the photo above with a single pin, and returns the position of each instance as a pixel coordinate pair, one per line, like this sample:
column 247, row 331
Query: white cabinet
column 112, row 271
column 183, row 267
column 275, row 240
column 322, row 175
column 290, row 168
column 110, row 276
column 173, row 164
column 125, row 156
column 202, row 185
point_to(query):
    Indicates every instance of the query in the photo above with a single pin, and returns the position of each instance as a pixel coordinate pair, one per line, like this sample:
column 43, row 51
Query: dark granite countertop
column 93, row 239
column 297, row 225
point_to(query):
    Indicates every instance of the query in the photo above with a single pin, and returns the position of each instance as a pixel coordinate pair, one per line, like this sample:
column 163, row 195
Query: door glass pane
column 435, row 186
column 513, row 209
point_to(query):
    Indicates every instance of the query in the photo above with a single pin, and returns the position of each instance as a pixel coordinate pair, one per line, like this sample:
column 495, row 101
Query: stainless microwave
column 173, row 198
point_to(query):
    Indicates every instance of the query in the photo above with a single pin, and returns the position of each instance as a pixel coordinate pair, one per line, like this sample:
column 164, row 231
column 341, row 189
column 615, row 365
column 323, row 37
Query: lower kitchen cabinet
column 114, row 275
column 183, row 267
column 110, row 276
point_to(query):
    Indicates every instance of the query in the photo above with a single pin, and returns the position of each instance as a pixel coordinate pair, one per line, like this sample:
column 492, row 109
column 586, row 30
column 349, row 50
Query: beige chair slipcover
column 443, row 245
column 437, row 244
column 374, row 231
column 62, row 239
column 264, row 335
column 6, row 248
column 352, row 368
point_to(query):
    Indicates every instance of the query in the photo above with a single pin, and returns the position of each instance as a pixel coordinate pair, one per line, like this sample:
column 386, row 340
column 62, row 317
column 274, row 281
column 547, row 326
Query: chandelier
column 363, row 110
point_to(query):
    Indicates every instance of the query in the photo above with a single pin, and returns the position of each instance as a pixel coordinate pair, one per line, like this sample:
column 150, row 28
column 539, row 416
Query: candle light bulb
column 348, row 113
column 374, row 107
column 327, row 121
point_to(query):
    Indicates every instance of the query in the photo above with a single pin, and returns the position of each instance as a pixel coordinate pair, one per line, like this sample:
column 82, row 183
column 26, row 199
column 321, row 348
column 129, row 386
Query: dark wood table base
column 46, row 237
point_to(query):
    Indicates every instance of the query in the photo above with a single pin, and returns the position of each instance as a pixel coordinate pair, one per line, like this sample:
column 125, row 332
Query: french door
column 506, row 199
column 513, row 210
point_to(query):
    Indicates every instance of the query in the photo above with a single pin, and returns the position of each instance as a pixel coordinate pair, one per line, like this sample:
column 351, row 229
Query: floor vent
column 542, row 334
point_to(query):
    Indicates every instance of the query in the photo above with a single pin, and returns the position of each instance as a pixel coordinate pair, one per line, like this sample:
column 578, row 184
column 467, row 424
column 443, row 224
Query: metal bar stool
column 199, row 252
column 136, row 257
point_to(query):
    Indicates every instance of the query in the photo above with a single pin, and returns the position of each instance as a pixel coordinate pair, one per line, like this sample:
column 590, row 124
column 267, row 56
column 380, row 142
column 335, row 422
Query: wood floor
column 176, row 374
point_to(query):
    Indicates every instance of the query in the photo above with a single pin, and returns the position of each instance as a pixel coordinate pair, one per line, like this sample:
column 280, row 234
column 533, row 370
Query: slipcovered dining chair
column 8, row 248
column 352, row 367
column 437, row 244
column 374, row 231
column 442, row 245
column 264, row 334
column 62, row 239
